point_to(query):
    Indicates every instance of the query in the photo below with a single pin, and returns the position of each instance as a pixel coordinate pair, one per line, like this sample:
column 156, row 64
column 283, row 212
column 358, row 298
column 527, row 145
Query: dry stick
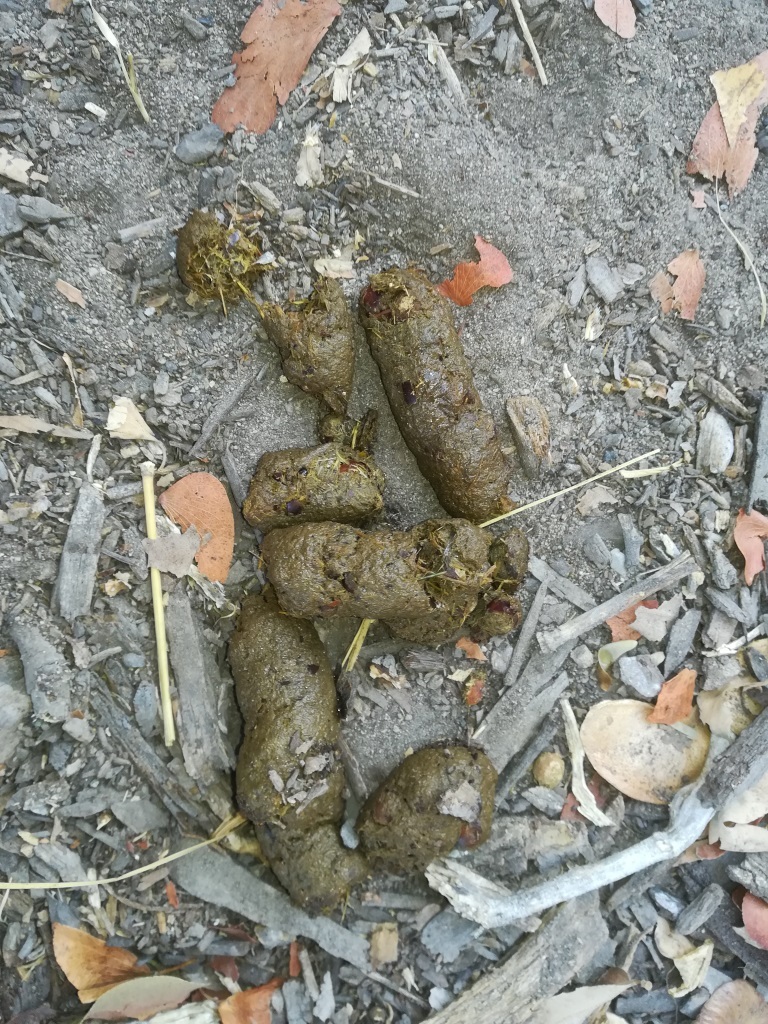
column 531, row 45
column 580, row 624
column 163, row 678
column 573, row 487
column 221, row 410
column 730, row 771
column 748, row 257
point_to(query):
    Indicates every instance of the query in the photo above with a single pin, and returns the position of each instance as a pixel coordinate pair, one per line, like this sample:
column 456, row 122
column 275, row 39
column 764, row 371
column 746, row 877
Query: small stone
column 145, row 708
column 37, row 210
column 549, row 769
column 582, row 656
column 515, row 52
column 197, row 30
column 395, row 6
column 72, row 100
column 545, row 800
column 197, row 146
column 10, row 222
column 79, row 729
column 604, row 280
column 49, row 34
column 596, row 550
column 699, row 911
column 139, row 815
column 447, row 934
column 133, row 660
column 574, row 293
column 642, row 675
column 446, row 11
column 681, row 640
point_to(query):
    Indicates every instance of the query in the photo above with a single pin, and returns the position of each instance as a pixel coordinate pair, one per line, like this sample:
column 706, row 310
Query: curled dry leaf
column 618, row 16
column 384, row 944
column 251, row 1006
column 594, row 496
column 173, row 552
column 749, row 533
column 731, row 826
column 691, row 961
column 200, row 500
column 578, row 1005
column 471, row 649
column 492, row 270
column 675, row 701
column 126, row 422
column 736, row 90
column 712, row 156
column 724, row 710
column 74, row 295
column 641, row 759
column 754, row 911
column 621, row 625
column 684, row 294
column 90, row 964
column 736, row 1001
column 142, row 998
column 279, row 40
column 610, row 653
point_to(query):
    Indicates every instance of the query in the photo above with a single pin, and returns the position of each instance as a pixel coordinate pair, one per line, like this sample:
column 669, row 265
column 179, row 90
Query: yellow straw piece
column 573, row 487
column 163, row 678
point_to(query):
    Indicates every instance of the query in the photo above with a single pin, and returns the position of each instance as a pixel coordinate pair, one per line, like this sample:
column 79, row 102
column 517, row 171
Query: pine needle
column 748, row 258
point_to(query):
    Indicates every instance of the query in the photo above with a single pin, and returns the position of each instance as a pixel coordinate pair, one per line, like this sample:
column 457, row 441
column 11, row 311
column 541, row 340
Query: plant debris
column 216, row 261
column 200, row 500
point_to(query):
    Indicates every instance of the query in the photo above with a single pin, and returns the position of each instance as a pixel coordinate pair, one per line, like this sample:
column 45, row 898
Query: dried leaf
column 734, row 838
column 698, row 198
column 59, row 6
column 173, row 553
column 34, row 425
column 692, row 962
column 689, row 271
column 588, row 806
column 90, row 964
column 251, row 1006
column 576, row 1006
column 126, row 422
column 200, row 500
column 279, row 40
column 723, row 710
column 474, row 689
column 384, row 944
column 675, row 701
column 171, row 895
column 142, row 998
column 754, row 911
column 641, row 759
column 621, row 625
column 14, row 166
column 472, row 650
column 748, row 534
column 618, row 16
column 492, row 270
column 736, row 89
column 72, row 294
column 593, row 497
column 711, row 154
column 661, row 289
column 736, row 1001
column 610, row 653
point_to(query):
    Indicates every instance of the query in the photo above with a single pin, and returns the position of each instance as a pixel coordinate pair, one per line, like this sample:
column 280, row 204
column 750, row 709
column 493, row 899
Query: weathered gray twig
column 571, row 630
column 221, row 410
column 730, row 770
